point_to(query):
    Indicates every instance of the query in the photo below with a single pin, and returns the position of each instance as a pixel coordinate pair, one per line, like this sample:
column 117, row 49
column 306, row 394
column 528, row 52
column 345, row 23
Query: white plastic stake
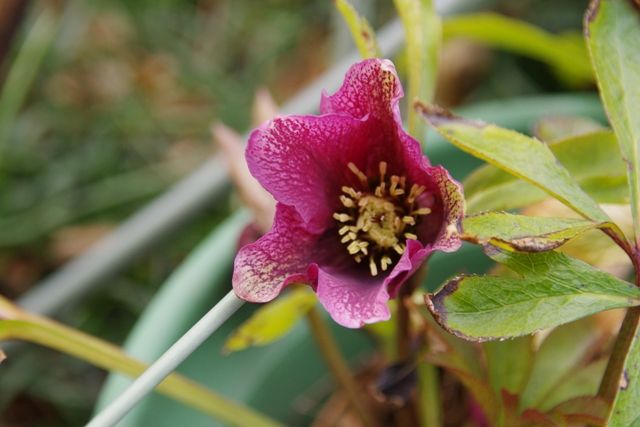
column 168, row 362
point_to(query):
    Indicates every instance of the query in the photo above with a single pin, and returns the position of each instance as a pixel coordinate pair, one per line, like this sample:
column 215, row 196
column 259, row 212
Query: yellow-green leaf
column 272, row 321
column 522, row 156
column 613, row 37
column 361, row 32
column 566, row 53
column 524, row 233
column 561, row 354
column 509, row 363
column 591, row 158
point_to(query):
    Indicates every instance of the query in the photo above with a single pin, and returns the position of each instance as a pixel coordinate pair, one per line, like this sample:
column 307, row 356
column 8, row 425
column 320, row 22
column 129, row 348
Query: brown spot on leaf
column 436, row 305
column 436, row 115
column 590, row 15
column 624, row 380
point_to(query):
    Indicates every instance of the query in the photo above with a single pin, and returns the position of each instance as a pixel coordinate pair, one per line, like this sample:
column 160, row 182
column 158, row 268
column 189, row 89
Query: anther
column 416, row 190
column 351, row 192
column 397, row 223
column 421, row 211
column 383, row 170
column 398, row 248
column 350, row 236
column 411, row 236
column 353, row 248
column 393, row 188
column 342, row 217
column 373, row 267
column 347, row 202
column 409, row 220
column 357, row 172
column 343, row 229
column 385, row 262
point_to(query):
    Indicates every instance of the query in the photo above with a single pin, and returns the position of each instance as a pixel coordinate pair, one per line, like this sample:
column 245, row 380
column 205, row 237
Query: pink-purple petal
column 351, row 301
column 371, row 87
column 354, row 300
column 277, row 259
column 302, row 161
column 451, row 193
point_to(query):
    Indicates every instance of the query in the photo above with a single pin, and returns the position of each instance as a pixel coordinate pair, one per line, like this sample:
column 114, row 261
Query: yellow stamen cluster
column 376, row 221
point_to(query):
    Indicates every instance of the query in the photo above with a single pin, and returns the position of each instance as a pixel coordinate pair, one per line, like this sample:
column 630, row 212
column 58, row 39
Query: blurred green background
column 104, row 104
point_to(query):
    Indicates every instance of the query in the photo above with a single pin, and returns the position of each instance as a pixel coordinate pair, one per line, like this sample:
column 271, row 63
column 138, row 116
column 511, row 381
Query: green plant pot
column 288, row 379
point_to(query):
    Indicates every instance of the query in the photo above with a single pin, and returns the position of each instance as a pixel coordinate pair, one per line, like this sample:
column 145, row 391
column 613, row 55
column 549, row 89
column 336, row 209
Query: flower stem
column 407, row 414
column 610, row 383
column 338, row 365
column 403, row 333
column 38, row 330
column 168, row 362
column 430, row 404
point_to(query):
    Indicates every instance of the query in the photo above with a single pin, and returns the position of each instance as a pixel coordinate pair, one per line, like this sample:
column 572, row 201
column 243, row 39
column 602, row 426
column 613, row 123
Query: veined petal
column 302, row 161
column 410, row 261
column 352, row 300
column 451, row 194
column 277, row 259
column 370, row 87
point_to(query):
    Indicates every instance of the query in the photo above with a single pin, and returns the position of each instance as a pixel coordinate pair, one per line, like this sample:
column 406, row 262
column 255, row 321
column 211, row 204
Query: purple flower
column 359, row 208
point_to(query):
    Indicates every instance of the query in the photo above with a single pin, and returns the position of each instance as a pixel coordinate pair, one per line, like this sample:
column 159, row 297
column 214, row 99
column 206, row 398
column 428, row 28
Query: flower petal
column 373, row 90
column 352, row 300
column 371, row 87
column 302, row 161
column 277, row 259
column 410, row 261
column 451, row 194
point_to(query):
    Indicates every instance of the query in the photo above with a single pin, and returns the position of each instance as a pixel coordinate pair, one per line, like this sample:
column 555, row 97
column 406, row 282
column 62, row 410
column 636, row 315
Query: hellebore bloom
column 359, row 208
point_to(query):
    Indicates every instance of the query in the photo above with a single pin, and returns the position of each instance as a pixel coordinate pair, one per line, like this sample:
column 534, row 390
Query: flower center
column 378, row 218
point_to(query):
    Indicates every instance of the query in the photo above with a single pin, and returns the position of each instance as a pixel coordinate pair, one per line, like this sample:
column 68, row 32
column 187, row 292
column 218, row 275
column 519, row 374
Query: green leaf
column 24, row 70
column 560, row 354
column 554, row 128
column 272, row 321
column 581, row 382
column 363, row 35
column 552, row 289
column 423, row 34
column 566, row 53
column 523, row 233
column 592, row 159
column 520, row 155
column 509, row 363
column 613, row 37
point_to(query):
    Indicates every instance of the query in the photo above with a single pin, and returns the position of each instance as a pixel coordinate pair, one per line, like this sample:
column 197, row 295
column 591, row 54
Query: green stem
column 429, row 398
column 610, row 383
column 338, row 366
column 53, row 335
